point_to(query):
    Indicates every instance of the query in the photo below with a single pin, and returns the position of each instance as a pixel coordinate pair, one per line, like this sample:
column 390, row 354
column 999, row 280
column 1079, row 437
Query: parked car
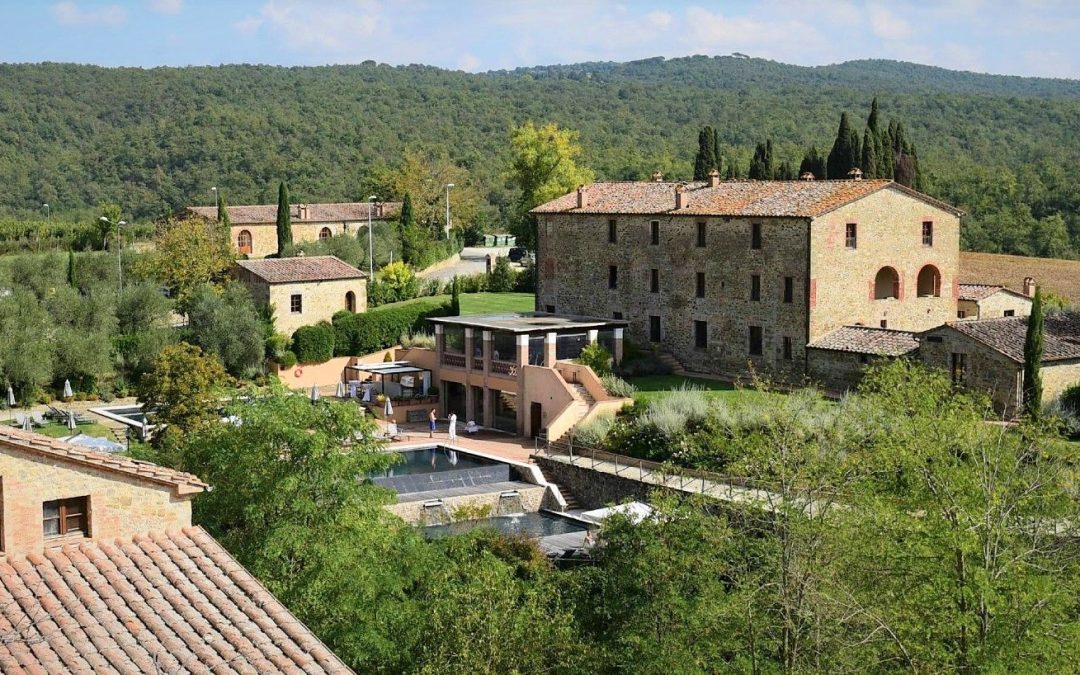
column 518, row 254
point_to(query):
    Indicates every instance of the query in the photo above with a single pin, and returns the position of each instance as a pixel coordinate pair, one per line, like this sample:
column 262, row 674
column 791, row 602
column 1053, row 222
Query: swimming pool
column 538, row 524
column 436, row 460
column 131, row 415
column 439, row 468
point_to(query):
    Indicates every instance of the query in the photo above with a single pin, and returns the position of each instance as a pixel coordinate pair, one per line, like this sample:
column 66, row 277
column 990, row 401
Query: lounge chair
column 20, row 419
column 37, row 419
column 55, row 414
column 471, row 427
column 393, row 433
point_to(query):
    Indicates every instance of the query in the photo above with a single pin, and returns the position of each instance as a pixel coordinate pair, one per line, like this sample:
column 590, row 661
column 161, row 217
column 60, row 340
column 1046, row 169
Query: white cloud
column 166, row 6
column 248, row 25
column 659, row 19
column 787, row 39
column 70, row 14
column 961, row 57
column 327, row 26
column 1049, row 63
column 887, row 25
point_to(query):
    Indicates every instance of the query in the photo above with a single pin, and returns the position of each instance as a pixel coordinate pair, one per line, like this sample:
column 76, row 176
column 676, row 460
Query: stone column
column 470, row 406
column 617, row 356
column 468, row 352
column 487, row 347
column 440, row 341
column 522, row 360
column 549, row 349
column 594, row 335
column 489, row 408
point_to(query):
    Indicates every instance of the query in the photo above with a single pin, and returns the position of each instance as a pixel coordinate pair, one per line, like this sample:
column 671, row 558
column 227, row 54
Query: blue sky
column 1015, row 37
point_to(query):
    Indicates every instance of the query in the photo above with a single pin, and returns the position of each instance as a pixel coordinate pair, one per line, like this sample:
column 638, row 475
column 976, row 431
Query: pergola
column 391, row 368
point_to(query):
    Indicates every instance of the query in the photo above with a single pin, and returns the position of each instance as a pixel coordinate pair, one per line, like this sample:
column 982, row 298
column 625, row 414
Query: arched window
column 929, row 282
column 886, row 284
column 243, row 241
column 350, row 301
column 325, row 233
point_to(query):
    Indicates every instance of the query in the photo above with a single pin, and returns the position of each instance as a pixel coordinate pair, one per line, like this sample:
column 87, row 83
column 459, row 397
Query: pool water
column 538, row 524
column 434, row 460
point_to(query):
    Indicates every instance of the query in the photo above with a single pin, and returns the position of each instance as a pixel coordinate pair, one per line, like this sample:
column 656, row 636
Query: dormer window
column 65, row 516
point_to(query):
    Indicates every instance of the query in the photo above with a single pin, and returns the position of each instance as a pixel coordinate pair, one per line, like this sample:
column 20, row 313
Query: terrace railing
column 478, row 363
column 453, row 360
column 504, row 368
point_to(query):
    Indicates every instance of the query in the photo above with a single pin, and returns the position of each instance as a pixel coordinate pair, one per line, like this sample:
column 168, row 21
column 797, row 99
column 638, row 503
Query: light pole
column 448, row 186
column 48, row 214
column 119, row 251
column 216, row 202
column 370, row 250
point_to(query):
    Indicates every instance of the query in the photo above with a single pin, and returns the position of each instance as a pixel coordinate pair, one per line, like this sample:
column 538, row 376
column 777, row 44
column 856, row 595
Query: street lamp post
column 48, row 213
column 119, row 251
column 448, row 186
column 216, row 197
column 370, row 250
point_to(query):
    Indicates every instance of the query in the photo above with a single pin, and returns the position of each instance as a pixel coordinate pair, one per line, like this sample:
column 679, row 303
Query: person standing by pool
column 453, row 426
column 431, row 423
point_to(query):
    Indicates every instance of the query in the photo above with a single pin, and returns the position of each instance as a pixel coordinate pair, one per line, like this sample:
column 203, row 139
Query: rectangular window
column 787, row 348
column 616, row 315
column 851, row 235
column 1010, row 312
column 296, row 303
column 654, row 329
column 755, row 287
column 961, row 314
column 612, row 235
column 701, row 234
column 654, row 232
column 755, row 340
column 928, row 233
column 789, row 289
column 613, row 276
column 959, row 368
column 700, row 290
column 755, row 235
column 701, row 334
column 884, row 323
column 654, row 281
column 550, row 309
column 65, row 516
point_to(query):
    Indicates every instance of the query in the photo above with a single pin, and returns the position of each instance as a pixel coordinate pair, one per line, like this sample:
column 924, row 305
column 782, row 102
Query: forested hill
column 1005, row 149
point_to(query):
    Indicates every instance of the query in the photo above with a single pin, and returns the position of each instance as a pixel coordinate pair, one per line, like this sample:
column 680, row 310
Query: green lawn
column 653, row 386
column 477, row 303
column 57, row 430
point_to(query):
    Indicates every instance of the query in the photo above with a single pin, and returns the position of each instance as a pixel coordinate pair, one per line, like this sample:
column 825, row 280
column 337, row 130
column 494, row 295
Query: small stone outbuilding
column 990, row 301
column 838, row 360
column 304, row 290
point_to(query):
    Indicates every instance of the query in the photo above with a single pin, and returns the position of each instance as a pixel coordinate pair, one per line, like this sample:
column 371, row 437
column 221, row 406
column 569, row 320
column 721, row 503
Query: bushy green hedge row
column 314, row 344
column 379, row 328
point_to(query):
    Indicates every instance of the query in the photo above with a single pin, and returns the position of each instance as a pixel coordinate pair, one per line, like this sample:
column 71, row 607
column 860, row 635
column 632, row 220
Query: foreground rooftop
column 866, row 340
column 530, row 322
column 1061, row 335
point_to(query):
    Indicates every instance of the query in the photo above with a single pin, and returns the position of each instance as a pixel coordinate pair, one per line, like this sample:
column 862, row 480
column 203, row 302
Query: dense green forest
column 1006, row 149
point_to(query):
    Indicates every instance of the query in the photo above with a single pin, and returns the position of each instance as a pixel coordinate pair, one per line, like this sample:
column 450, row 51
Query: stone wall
column 838, row 372
column 574, row 268
column 889, row 233
column 469, row 506
column 996, row 305
column 987, row 370
column 593, row 489
column 120, row 506
column 1057, row 377
column 320, row 301
column 264, row 235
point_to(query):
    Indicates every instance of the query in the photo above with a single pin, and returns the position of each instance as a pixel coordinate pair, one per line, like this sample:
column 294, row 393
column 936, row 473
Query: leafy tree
column 455, row 297
column 761, row 166
column 27, row 332
column 143, row 326
column 598, row 358
column 82, row 343
column 106, row 228
column 225, row 324
column 502, row 276
column 424, row 176
column 845, row 153
column 187, row 254
column 284, row 219
column 1033, row 355
column 182, row 389
column 543, row 166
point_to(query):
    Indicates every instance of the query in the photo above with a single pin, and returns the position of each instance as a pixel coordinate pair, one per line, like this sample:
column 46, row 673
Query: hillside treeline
column 1005, row 149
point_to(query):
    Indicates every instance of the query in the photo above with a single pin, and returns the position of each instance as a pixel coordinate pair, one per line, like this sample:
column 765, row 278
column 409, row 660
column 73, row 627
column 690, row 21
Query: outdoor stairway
column 583, row 393
column 509, row 400
column 669, row 360
column 572, row 504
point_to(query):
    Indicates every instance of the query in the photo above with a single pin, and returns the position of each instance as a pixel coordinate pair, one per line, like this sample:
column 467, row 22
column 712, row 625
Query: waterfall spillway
column 435, row 513
column 509, row 504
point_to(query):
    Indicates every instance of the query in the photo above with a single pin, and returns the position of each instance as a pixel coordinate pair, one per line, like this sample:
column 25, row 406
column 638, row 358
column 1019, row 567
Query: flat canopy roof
column 530, row 322
column 391, row 368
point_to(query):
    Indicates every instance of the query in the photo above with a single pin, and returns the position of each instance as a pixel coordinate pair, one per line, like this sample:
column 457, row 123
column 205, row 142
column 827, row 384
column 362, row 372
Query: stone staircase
column 669, row 360
column 582, row 393
column 572, row 504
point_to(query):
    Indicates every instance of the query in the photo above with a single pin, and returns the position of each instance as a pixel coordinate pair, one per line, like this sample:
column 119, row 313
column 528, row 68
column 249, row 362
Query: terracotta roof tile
column 171, row 602
column 864, row 340
column 54, row 447
column 301, row 269
column 1052, row 274
column 803, row 199
column 976, row 292
column 1061, row 335
column 266, row 214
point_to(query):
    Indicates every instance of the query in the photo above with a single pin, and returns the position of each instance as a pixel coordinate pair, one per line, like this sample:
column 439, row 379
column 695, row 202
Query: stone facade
column 468, row 507
column 319, row 300
column 119, row 506
column 831, row 285
column 995, row 306
column 984, row 369
column 838, row 371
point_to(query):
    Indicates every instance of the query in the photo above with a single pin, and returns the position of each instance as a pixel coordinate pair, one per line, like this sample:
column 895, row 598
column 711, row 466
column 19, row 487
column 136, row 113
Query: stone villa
column 101, row 571
column 304, row 290
column 729, row 275
column 254, row 227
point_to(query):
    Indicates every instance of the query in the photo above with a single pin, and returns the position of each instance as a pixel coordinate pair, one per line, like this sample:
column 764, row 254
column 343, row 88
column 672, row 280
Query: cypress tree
column 708, row 154
column 785, row 171
column 759, row 165
column 284, row 219
column 71, row 270
column 455, row 297
column 406, row 218
column 1033, row 353
column 845, row 154
column 869, row 154
column 813, row 162
column 223, row 212
column 717, row 157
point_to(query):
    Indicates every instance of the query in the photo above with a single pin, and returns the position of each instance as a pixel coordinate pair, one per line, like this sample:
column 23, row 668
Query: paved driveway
column 473, row 261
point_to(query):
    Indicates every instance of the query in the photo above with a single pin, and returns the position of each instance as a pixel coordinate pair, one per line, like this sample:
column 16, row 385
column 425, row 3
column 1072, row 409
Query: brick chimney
column 681, row 198
column 855, row 174
column 582, row 197
column 379, row 210
column 806, row 176
column 714, row 178
column 658, row 177
column 1029, row 287
column 301, row 211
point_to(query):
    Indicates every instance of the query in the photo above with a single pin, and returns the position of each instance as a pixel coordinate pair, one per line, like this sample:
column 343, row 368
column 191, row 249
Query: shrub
column 502, row 278
column 596, row 357
column 358, row 334
column 642, row 365
column 287, row 359
column 393, row 283
column 417, row 340
column 592, row 433
column 314, row 344
column 616, row 386
column 1070, row 399
column 276, row 346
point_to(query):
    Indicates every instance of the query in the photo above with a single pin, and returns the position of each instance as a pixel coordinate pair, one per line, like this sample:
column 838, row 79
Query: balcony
column 453, row 360
column 508, row 368
column 477, row 363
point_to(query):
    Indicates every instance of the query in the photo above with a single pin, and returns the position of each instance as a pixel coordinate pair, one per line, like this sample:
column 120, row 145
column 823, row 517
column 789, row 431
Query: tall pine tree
column 223, row 212
column 870, row 144
column 761, row 167
column 1033, row 354
column 845, row 153
column 284, row 219
column 708, row 154
column 813, row 163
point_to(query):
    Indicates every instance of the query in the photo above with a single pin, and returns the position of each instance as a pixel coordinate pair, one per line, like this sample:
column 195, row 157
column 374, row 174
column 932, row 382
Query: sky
column 1012, row 37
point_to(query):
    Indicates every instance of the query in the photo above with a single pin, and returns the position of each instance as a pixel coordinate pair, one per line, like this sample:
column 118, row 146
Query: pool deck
column 497, row 444
column 465, row 491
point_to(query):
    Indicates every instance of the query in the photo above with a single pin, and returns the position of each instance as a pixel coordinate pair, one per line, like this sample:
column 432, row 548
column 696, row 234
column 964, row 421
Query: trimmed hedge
column 314, row 344
column 379, row 328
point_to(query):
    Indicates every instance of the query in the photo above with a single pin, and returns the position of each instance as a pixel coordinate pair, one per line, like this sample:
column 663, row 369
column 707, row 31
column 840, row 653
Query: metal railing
column 478, row 363
column 453, row 360
column 503, row 367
